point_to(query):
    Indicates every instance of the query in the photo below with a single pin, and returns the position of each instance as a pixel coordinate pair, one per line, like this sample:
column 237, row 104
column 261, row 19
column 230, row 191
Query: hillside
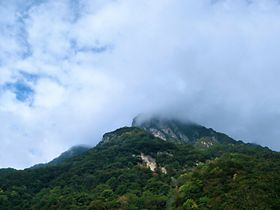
column 192, row 167
column 70, row 153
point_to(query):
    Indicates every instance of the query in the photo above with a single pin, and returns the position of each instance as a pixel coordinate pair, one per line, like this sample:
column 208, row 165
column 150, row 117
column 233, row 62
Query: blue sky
column 71, row 70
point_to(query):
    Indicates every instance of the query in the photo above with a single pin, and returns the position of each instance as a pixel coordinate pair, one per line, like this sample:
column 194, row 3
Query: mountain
column 70, row 153
column 132, row 168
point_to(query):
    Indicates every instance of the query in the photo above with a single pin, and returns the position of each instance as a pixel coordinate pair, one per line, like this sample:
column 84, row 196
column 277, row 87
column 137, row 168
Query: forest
column 229, row 175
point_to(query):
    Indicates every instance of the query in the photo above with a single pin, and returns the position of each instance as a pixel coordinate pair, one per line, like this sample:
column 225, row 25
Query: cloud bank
column 71, row 70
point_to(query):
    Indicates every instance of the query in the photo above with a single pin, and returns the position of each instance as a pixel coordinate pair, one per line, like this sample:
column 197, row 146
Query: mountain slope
column 132, row 169
column 70, row 153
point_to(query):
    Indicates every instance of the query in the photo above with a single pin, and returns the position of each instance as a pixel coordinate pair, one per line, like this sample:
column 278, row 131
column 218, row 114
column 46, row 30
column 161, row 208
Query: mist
column 72, row 70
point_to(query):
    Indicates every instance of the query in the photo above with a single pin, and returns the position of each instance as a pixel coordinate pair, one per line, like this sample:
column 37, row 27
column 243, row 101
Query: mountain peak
column 70, row 153
column 121, row 134
column 171, row 129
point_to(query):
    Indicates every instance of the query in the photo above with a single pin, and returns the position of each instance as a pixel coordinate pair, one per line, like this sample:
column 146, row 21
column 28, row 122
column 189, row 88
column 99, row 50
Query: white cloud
column 49, row 94
column 96, row 64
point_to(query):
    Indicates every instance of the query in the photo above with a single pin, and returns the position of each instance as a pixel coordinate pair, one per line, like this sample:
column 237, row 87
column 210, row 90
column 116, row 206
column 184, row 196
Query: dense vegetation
column 113, row 176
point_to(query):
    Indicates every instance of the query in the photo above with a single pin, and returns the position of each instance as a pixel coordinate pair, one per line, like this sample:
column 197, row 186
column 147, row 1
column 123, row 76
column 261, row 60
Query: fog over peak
column 72, row 70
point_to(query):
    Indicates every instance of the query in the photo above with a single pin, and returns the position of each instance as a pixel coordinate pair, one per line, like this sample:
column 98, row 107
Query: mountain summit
column 181, row 132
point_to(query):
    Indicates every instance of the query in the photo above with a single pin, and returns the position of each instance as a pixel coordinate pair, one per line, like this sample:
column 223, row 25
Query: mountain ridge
column 131, row 168
column 71, row 152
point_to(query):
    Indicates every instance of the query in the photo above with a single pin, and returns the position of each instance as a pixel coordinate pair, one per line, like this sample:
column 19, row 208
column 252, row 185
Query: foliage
column 112, row 176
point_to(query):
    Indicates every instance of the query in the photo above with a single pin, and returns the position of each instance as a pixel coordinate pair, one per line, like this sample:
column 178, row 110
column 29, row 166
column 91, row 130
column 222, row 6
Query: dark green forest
column 210, row 171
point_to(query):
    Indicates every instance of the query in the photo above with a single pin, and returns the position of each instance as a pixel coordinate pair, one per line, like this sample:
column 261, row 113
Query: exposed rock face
column 176, row 130
column 163, row 170
column 161, row 128
column 149, row 162
column 157, row 133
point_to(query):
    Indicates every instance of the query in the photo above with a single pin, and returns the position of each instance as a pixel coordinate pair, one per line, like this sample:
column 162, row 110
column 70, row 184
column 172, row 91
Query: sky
column 71, row 70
